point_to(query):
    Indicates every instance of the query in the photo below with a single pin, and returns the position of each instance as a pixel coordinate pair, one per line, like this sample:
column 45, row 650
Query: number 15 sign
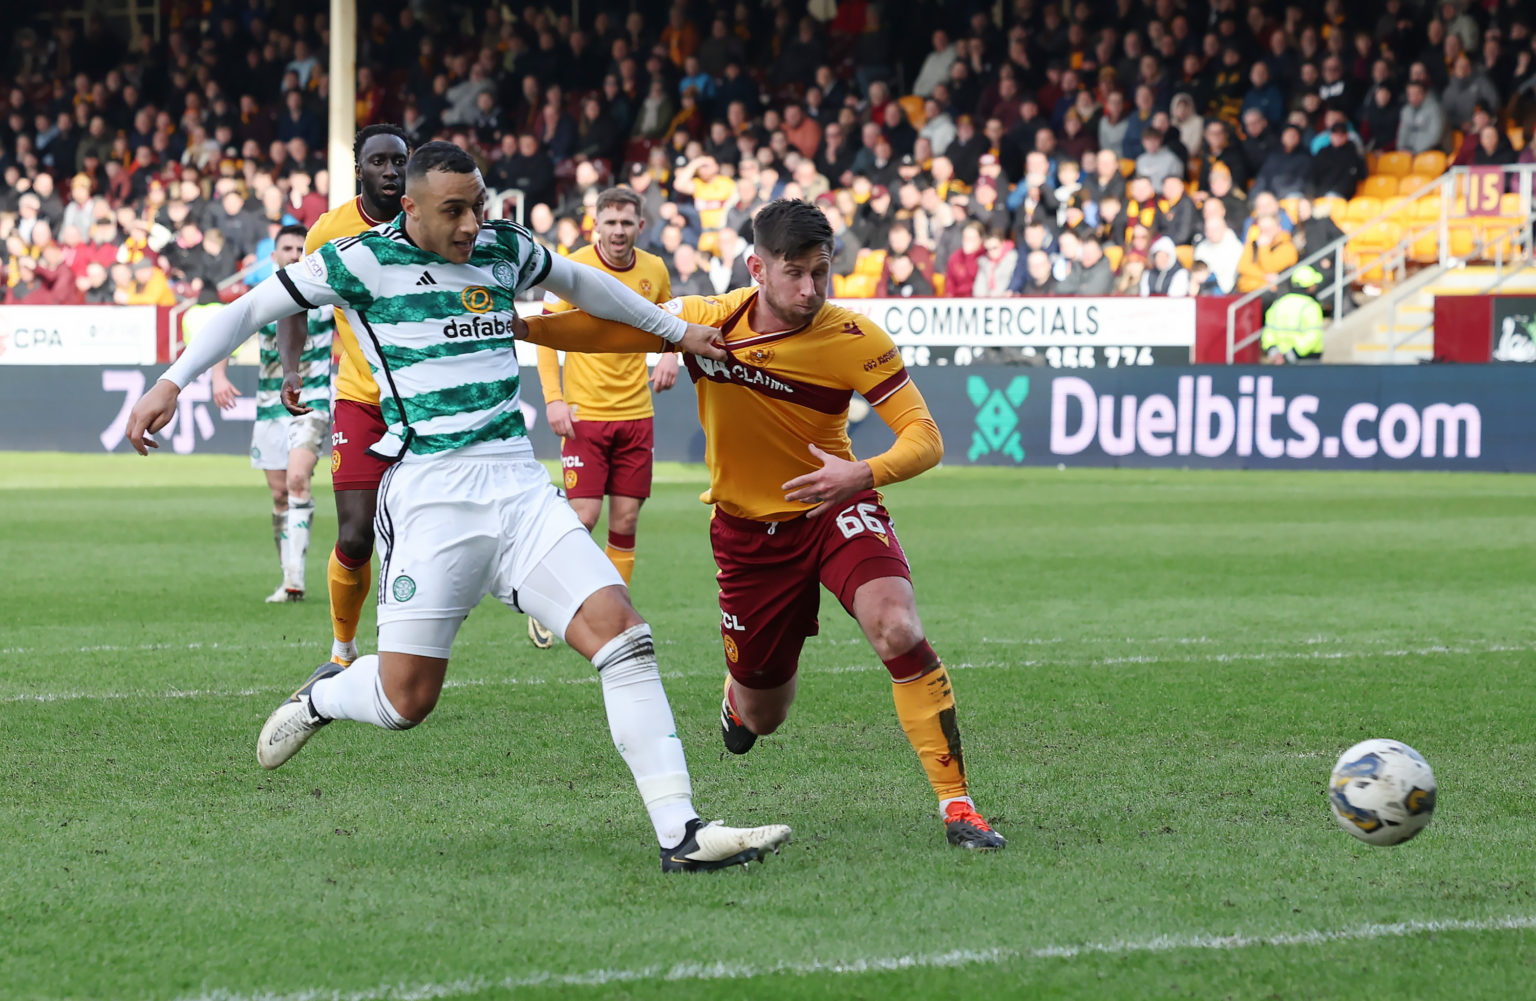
column 1485, row 187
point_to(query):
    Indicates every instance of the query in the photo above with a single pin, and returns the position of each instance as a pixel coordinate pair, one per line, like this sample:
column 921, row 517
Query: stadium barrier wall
column 1453, row 417
column 91, row 335
column 1480, row 328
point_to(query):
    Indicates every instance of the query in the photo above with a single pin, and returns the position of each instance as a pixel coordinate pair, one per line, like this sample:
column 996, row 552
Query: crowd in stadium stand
column 1162, row 148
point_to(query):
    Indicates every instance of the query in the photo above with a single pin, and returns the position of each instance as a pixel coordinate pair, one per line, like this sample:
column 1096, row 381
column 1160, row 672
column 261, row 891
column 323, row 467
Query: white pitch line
column 589, row 679
column 703, row 972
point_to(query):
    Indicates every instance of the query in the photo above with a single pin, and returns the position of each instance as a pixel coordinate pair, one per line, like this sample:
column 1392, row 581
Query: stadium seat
column 1509, row 205
column 1409, row 183
column 838, row 290
column 1371, row 160
column 857, row 286
column 1362, row 207
column 1426, row 208
column 1396, row 207
column 1289, row 206
column 1113, row 255
column 1462, row 237
column 1329, row 207
column 913, row 106
column 871, row 263
column 1127, row 167
column 1186, row 254
column 1430, row 163
column 938, row 284
column 1378, row 186
column 1397, row 163
column 1425, row 248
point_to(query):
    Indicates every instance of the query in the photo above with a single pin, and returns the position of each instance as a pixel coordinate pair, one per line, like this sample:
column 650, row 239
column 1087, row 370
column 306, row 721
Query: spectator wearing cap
column 147, row 287
column 1337, row 168
column 1421, row 126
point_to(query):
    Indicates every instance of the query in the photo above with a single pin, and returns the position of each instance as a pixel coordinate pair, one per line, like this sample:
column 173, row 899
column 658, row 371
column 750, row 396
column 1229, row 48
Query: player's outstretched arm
column 228, row 329
column 292, row 332
column 604, row 296
column 574, row 330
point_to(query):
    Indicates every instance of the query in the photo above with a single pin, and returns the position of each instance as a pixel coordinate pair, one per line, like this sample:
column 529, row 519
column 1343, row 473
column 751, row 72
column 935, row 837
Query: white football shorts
column 453, row 529
column 272, row 440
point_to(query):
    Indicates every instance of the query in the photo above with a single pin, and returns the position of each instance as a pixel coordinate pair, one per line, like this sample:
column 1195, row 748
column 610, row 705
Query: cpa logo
column 997, row 417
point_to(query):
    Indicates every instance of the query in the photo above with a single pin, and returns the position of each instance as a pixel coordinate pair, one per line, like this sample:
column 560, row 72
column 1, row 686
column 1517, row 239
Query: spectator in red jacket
column 39, row 286
column 965, row 262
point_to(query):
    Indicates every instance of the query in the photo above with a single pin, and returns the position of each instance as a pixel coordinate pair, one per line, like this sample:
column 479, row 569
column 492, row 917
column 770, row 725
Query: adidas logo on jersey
column 426, row 279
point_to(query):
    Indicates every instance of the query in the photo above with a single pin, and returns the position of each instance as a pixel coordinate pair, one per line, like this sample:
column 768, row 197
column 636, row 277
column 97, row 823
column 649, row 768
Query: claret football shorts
column 354, row 427
column 609, row 458
column 771, row 572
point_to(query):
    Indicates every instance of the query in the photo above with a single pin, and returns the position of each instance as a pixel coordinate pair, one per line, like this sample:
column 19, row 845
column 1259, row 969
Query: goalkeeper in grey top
column 467, row 511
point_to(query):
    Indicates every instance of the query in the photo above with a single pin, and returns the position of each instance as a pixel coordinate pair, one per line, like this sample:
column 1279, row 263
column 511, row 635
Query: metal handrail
column 1398, row 253
column 1521, row 238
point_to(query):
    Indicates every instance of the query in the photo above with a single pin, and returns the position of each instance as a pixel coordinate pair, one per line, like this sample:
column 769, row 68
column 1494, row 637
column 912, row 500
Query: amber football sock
column 349, row 586
column 621, row 551
column 925, row 704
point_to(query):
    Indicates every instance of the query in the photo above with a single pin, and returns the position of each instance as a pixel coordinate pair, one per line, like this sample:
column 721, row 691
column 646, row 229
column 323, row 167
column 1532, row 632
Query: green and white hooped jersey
column 314, row 367
column 438, row 335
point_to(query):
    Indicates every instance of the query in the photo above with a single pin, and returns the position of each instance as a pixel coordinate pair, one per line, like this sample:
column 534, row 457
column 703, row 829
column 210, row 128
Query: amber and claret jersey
column 354, row 379
column 605, row 387
column 785, row 389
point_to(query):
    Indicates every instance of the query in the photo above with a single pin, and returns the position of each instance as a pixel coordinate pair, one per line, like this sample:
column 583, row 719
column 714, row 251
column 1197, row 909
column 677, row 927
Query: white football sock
column 301, row 519
column 358, row 694
column 346, row 651
column 643, row 731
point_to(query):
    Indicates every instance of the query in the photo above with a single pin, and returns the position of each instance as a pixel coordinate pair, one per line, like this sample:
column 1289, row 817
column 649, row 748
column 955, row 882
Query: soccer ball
column 1382, row 792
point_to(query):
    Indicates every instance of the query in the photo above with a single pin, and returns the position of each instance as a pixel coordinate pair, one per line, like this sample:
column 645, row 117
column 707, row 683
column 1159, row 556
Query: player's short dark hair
column 791, row 227
column 615, row 197
column 439, row 155
column 293, row 230
column 367, row 132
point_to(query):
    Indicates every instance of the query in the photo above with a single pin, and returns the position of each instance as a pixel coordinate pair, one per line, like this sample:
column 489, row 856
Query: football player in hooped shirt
column 466, row 510
column 795, row 510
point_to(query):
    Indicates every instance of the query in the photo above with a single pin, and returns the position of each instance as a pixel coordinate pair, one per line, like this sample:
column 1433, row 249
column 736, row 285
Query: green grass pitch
column 1155, row 671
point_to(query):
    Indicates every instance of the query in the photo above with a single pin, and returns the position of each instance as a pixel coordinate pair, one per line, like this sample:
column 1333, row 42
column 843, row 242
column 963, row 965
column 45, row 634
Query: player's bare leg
column 277, row 483
column 749, row 713
column 348, row 574
column 300, row 519
column 588, row 509
column 886, row 609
